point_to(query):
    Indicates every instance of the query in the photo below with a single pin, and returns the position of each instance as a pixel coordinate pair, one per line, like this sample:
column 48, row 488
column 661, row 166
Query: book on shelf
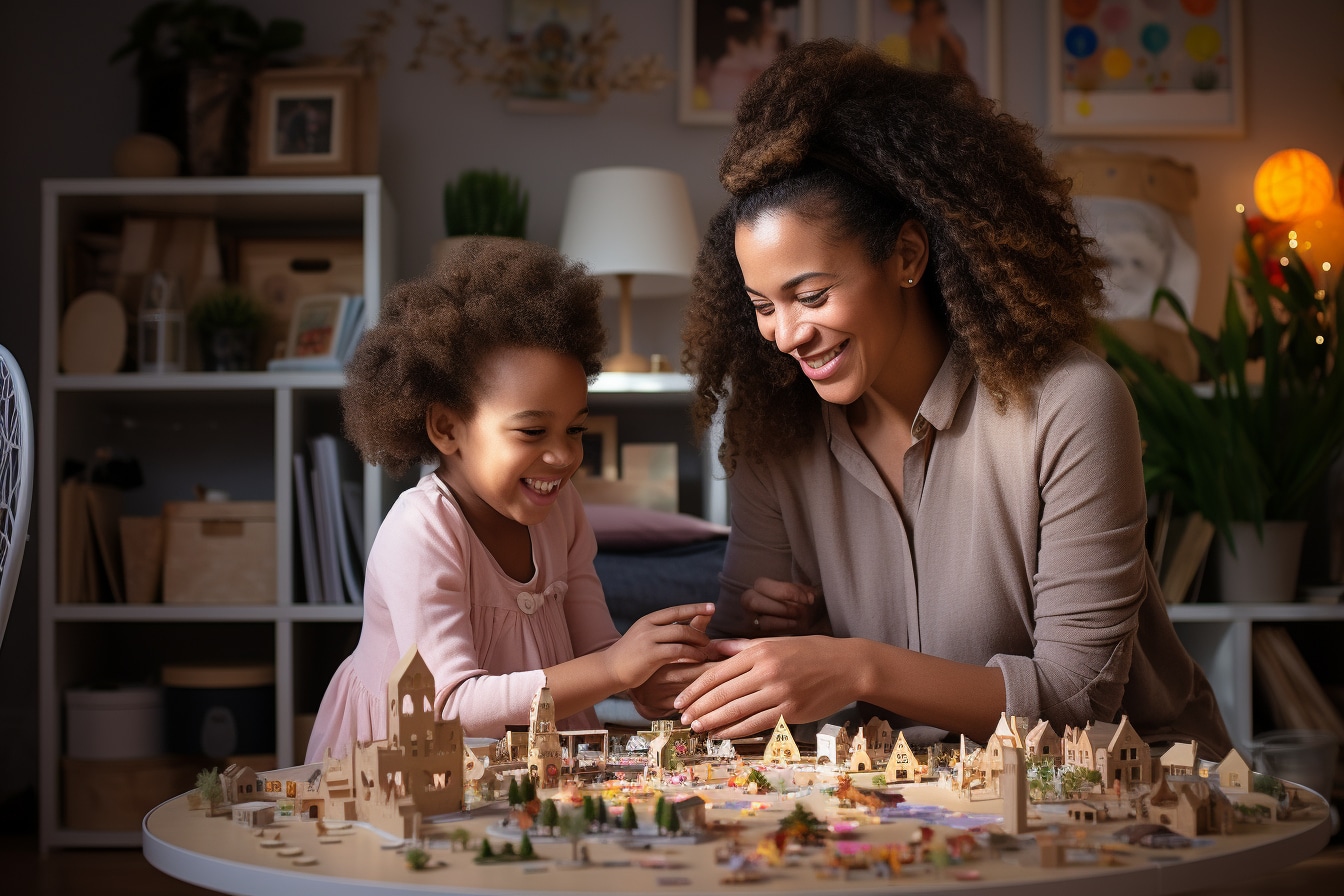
column 1186, row 551
column 323, row 332
column 303, row 500
column 1295, row 696
column 89, row 544
column 335, row 502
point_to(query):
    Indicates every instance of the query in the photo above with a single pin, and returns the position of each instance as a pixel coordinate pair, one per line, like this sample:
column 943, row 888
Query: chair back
column 16, row 477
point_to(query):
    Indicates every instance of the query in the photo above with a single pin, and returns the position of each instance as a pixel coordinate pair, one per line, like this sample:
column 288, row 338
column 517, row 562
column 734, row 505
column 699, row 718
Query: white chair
column 16, row 477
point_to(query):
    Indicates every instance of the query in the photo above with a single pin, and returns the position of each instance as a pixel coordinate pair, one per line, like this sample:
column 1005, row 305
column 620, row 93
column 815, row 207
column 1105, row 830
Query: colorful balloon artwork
column 1145, row 45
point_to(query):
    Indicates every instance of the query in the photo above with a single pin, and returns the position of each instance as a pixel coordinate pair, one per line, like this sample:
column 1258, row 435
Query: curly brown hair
column 833, row 132
column 436, row 330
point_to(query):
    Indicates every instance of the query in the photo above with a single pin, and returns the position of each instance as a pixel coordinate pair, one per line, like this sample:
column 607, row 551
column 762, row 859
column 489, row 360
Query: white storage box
column 114, row 723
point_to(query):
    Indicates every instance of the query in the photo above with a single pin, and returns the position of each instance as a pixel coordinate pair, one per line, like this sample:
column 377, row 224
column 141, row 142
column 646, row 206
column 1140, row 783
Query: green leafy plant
column 209, row 787
column 228, row 307
column 485, row 203
column 182, row 32
column 1232, row 450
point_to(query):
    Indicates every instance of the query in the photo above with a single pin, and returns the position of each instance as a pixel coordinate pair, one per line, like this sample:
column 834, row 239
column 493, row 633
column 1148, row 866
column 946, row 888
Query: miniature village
column 664, row 803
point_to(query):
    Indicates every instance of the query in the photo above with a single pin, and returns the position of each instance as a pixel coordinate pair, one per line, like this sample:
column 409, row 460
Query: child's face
column 512, row 457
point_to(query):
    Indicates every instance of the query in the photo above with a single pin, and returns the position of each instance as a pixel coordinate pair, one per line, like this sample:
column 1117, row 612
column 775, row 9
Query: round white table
column 217, row 854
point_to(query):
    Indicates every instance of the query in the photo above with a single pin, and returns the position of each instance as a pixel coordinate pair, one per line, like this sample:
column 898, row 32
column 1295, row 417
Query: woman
column 935, row 488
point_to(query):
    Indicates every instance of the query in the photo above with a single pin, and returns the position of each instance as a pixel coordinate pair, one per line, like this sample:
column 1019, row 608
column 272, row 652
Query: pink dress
column 485, row 636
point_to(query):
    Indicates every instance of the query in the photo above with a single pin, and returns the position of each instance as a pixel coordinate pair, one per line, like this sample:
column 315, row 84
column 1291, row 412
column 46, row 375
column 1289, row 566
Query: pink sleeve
column 590, row 625
column 422, row 579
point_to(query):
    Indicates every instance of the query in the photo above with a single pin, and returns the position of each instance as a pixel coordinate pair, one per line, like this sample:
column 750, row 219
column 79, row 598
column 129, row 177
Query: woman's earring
column 910, row 281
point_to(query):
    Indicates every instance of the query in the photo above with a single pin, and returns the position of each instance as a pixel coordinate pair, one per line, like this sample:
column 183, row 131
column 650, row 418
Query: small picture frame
column 315, row 329
column 310, row 121
column 550, row 37
column 722, row 45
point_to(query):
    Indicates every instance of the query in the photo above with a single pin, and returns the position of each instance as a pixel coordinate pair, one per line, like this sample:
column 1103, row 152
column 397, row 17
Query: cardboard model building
column 417, row 771
column 781, row 748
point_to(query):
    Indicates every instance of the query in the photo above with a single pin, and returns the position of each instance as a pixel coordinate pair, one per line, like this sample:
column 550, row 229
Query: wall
column 66, row 109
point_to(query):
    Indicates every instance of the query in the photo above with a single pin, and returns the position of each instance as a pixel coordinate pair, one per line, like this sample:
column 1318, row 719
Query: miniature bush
column 416, row 858
column 208, row 786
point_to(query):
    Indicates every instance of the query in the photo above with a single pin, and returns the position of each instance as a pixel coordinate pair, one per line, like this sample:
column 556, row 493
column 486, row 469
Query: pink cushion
column 624, row 528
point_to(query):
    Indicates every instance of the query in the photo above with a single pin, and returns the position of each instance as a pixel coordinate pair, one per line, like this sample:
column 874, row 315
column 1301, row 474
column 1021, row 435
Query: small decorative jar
column 162, row 325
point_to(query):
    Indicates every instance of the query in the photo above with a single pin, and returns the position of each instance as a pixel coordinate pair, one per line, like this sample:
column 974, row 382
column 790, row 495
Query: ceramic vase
column 1262, row 571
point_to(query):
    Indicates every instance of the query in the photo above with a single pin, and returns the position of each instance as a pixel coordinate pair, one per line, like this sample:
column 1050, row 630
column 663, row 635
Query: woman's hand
column 654, row 698
column 802, row 679
column 782, row 608
column 670, row 635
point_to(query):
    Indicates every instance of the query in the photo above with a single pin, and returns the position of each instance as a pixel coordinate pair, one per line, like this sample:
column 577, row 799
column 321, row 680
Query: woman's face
column 821, row 300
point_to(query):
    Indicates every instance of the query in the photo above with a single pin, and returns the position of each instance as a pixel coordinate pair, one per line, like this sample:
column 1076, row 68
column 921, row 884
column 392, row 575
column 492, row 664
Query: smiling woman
column 936, row 490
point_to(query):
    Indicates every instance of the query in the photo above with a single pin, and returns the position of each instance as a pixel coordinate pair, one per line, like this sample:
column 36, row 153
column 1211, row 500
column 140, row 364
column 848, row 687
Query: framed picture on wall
column 1142, row 69
column 550, row 35
column 941, row 35
column 723, row 45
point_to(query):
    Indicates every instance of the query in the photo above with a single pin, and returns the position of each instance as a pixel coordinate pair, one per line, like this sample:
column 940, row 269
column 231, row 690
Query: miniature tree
column 416, row 858
column 879, row 780
column 459, row 837
column 628, row 820
column 515, row 793
column 660, row 813
column 573, row 827
column 209, row 787
column 529, row 789
column 506, row 851
column 757, row 777
column 550, row 816
column 589, row 812
column 525, row 850
column 672, row 824
column 602, row 816
column 486, row 852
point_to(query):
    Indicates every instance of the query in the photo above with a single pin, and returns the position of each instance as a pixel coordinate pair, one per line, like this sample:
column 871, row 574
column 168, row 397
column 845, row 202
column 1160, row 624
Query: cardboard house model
column 879, row 736
column 833, row 745
column 859, row 760
column 1114, row 749
column 543, row 741
column 416, row 771
column 1043, row 743
column 781, row 748
column 902, row 766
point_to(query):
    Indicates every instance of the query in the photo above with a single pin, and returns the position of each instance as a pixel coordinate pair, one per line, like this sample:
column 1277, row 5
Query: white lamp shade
column 632, row 220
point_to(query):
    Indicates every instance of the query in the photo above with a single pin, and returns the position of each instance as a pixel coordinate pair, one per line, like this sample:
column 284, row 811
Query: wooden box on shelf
column 219, row 552
column 115, row 794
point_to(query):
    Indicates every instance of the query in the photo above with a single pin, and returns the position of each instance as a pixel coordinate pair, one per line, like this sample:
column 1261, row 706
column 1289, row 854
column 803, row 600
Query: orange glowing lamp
column 1293, row 184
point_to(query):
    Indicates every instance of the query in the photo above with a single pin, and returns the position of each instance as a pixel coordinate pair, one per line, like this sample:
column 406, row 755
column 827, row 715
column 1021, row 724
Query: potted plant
column 227, row 321
column 194, row 60
column 1247, row 456
column 482, row 203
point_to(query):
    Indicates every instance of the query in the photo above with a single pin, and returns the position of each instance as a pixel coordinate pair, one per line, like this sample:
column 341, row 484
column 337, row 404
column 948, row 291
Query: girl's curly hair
column 833, row 132
column 436, row 330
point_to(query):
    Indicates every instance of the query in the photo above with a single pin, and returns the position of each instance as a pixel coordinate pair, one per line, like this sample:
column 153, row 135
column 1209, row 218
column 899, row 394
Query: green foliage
column 486, row 852
column 525, row 850
column 628, row 820
column 529, row 788
column 672, row 824
column 182, row 32
column 879, row 780
column 1075, row 778
column 227, row 307
column 549, row 816
column 515, row 793
column 660, row 813
column 602, row 816
column 1243, row 452
column 485, row 203
column 1269, row 785
column 416, row 858
column 803, row 826
column 757, row 777
column 589, row 810
column 209, row 787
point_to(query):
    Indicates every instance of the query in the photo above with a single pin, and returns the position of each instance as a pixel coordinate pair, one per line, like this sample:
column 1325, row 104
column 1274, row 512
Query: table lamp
column 633, row 225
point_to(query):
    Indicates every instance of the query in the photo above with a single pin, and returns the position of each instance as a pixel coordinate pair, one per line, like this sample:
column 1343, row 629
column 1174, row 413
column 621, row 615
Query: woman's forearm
column 958, row 697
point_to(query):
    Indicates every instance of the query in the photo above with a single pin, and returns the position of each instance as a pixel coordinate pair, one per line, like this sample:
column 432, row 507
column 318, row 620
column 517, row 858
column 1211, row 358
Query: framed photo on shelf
column 722, row 45
column 942, row 35
column 322, row 332
column 314, row 121
column 600, row 453
column 1137, row 69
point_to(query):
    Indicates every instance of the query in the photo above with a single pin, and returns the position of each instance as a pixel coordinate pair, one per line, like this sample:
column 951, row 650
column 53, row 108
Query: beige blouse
column 1022, row 547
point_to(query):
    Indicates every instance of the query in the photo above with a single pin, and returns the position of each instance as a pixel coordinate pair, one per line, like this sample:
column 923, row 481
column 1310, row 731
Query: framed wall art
column 941, row 35
column 550, row 34
column 1136, row 68
column 314, row 121
column 724, row 44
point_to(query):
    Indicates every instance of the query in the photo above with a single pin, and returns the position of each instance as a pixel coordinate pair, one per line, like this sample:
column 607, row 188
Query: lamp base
column 627, row 362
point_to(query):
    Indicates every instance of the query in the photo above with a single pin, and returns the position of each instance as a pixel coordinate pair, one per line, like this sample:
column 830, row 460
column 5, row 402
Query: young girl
column 486, row 565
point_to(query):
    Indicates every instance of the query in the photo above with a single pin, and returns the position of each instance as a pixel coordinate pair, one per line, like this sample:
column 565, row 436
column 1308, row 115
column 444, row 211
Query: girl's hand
column 653, row 699
column 802, row 679
column 669, row 635
column 781, row 608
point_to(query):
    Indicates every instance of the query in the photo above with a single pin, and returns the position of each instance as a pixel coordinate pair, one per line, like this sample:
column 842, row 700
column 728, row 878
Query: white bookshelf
column 236, row 429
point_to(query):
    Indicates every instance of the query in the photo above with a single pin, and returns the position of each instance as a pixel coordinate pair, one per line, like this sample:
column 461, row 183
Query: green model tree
column 529, row 789
column 628, row 820
column 208, row 786
column 525, row 850
column 486, row 852
column 549, row 817
column 589, row 812
column 660, row 813
column 602, row 817
column 515, row 794
column 672, row 824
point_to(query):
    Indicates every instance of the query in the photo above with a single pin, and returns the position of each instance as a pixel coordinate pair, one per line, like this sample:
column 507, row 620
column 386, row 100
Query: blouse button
column 921, row 427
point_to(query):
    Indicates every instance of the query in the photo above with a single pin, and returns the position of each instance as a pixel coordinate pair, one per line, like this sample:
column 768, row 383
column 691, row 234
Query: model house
column 781, row 748
column 833, row 744
column 902, row 764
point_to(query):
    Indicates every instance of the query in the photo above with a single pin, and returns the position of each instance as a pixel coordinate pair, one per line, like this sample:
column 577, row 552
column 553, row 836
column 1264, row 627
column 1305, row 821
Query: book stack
column 323, row 332
column 329, row 504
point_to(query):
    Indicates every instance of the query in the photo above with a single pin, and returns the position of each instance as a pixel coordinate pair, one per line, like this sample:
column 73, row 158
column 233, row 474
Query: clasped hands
column 757, row 680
